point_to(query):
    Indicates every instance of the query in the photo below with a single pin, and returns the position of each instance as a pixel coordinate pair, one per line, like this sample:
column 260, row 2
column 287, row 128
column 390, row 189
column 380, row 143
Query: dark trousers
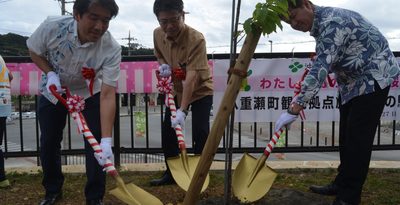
column 2, row 129
column 52, row 119
column 359, row 119
column 200, row 110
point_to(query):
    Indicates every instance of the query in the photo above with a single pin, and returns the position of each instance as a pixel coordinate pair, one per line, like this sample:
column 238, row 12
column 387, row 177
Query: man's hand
column 165, row 70
column 285, row 120
column 53, row 79
column 179, row 119
column 106, row 153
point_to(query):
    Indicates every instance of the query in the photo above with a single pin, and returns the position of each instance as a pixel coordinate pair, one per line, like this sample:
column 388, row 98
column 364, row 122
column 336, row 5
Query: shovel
column 123, row 192
column 252, row 179
column 183, row 166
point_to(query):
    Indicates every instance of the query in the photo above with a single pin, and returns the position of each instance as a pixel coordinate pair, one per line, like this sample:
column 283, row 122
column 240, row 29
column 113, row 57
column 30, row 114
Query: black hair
column 82, row 6
column 167, row 5
column 297, row 4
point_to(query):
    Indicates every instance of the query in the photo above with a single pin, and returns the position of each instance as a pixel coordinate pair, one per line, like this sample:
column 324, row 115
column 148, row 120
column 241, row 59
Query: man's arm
column 40, row 62
column 198, row 59
column 107, row 109
column 188, row 88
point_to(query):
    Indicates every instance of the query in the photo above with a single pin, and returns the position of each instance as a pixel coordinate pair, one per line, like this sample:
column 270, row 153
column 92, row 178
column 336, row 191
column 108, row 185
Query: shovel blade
column 241, row 178
column 135, row 195
column 182, row 173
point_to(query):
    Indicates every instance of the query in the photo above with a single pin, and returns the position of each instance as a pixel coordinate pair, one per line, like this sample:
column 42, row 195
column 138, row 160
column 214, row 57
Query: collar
column 317, row 16
column 181, row 36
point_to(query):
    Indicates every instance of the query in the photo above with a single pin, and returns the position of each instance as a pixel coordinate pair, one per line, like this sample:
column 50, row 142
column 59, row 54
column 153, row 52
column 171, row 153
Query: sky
column 211, row 17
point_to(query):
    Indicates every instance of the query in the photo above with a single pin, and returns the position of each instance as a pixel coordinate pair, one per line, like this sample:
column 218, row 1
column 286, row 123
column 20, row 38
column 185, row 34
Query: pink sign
column 135, row 77
column 26, row 78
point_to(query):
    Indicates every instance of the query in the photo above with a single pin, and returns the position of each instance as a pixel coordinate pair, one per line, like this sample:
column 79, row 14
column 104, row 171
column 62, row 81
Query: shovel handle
column 270, row 146
column 297, row 92
column 53, row 90
column 80, row 119
column 170, row 103
column 178, row 128
column 84, row 129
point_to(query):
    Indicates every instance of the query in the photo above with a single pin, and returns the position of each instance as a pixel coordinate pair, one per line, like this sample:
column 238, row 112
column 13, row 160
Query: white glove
column 285, row 120
column 179, row 119
column 165, row 70
column 106, row 153
column 53, row 79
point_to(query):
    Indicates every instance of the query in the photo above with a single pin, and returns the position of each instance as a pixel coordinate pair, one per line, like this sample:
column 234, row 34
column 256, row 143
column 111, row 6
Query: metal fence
column 22, row 133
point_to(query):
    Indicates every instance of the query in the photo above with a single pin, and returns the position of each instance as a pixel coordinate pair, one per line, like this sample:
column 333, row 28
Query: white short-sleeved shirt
column 57, row 40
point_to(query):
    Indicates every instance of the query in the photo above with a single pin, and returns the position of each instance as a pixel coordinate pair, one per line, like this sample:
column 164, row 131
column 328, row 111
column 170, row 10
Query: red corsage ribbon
column 89, row 74
column 179, row 74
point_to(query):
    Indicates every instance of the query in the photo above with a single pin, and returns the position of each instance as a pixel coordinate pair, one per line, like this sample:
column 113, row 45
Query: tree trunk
column 221, row 119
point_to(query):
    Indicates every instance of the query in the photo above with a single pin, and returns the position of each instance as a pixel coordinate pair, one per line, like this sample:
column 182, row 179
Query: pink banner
column 135, row 77
column 26, row 78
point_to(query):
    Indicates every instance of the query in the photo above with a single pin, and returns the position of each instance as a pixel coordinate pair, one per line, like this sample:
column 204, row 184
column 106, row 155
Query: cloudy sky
column 211, row 17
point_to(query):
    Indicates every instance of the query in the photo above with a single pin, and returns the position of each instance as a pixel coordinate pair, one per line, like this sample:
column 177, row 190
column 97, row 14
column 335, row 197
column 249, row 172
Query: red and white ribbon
column 270, row 146
column 84, row 129
column 165, row 86
column 75, row 105
column 178, row 128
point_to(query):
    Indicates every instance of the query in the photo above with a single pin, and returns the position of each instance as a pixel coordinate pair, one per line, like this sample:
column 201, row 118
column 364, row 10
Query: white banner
column 269, row 89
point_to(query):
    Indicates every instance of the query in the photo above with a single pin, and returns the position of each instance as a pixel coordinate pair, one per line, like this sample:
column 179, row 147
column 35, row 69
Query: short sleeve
column 111, row 66
column 37, row 41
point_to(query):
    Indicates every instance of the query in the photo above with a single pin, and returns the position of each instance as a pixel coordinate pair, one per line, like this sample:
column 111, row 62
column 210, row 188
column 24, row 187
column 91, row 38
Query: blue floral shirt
column 349, row 46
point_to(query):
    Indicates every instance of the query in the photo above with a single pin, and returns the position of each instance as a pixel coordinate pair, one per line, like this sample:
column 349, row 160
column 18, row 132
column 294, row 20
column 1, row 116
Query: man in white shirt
column 77, row 52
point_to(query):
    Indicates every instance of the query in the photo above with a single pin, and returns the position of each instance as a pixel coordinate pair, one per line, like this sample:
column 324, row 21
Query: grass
column 381, row 187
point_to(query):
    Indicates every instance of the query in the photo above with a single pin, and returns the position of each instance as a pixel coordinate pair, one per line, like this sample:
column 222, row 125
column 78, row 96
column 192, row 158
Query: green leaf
column 267, row 16
column 247, row 25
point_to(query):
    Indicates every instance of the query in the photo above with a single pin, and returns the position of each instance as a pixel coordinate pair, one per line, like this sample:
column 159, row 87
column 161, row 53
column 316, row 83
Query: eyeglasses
column 173, row 20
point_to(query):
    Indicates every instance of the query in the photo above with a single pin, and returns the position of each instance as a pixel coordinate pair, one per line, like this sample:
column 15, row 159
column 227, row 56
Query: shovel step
column 248, row 188
column 140, row 196
column 183, row 173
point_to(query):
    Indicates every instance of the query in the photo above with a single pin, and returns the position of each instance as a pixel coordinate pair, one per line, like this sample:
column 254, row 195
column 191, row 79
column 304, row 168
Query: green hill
column 13, row 45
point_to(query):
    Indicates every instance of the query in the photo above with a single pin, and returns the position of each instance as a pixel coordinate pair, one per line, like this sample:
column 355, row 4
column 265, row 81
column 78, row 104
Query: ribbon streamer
column 89, row 74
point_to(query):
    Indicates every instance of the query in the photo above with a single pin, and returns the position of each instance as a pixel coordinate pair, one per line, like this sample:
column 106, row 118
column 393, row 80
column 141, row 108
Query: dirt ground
column 27, row 190
column 290, row 187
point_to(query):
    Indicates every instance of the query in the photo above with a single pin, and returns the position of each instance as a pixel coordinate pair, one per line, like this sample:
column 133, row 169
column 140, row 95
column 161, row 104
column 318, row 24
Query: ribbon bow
column 165, row 86
column 75, row 103
column 89, row 74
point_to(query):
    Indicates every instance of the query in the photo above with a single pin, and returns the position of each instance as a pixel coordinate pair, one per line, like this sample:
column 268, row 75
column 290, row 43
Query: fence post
column 117, row 134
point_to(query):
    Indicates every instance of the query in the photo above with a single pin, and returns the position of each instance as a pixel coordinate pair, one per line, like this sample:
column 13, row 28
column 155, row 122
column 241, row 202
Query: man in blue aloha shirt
column 358, row 54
